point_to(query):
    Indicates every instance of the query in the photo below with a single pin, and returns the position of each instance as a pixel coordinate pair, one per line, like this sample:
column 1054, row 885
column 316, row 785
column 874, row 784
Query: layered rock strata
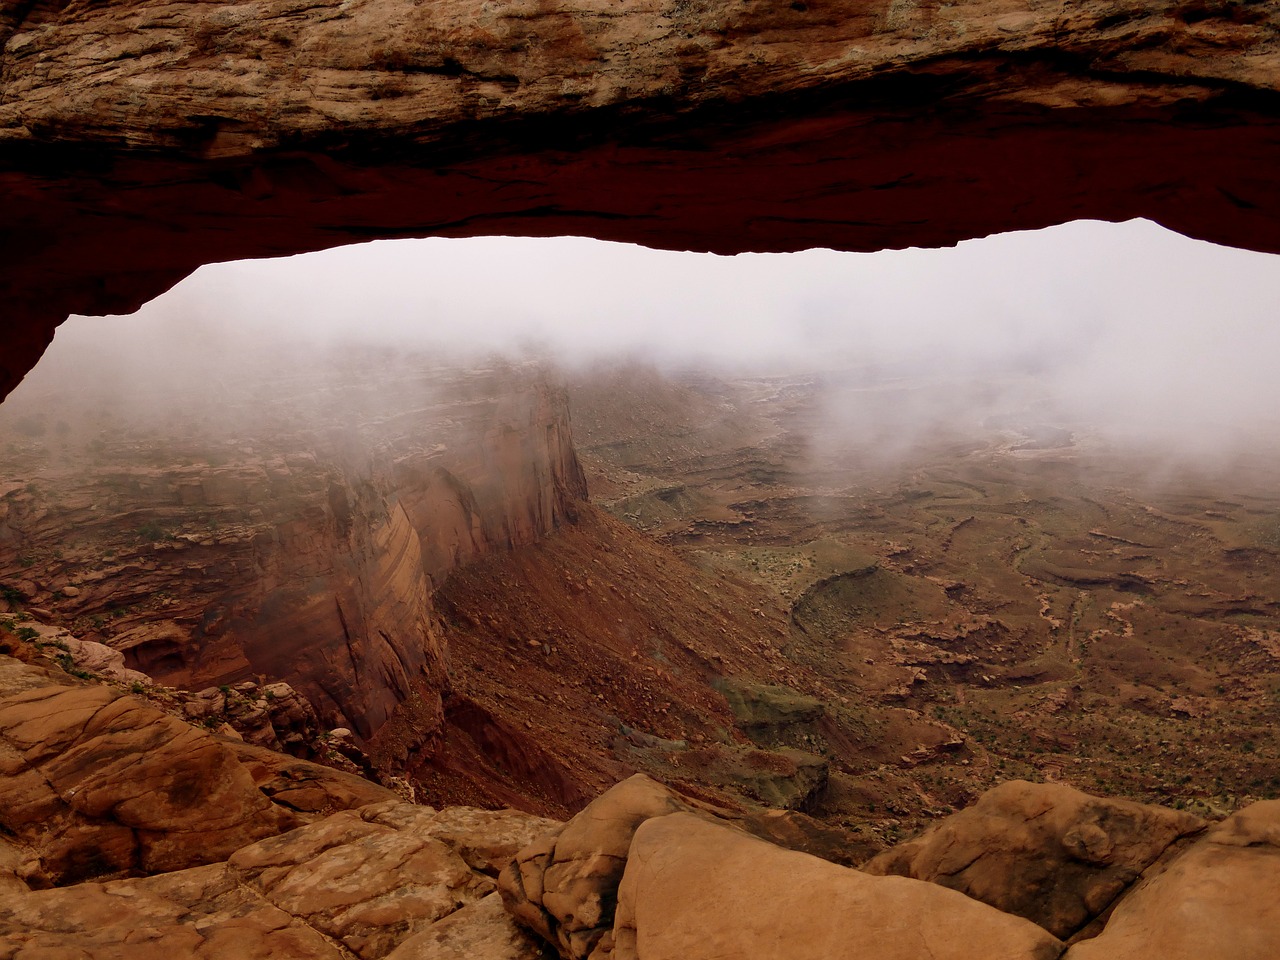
column 94, row 783
column 138, row 140
column 373, row 883
column 315, row 566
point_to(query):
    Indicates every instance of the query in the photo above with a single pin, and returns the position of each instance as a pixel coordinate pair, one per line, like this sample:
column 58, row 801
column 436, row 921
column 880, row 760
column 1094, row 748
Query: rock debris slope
column 641, row 872
column 139, row 139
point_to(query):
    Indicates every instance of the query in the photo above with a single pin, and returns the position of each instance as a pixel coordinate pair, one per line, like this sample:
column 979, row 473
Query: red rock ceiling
column 138, row 141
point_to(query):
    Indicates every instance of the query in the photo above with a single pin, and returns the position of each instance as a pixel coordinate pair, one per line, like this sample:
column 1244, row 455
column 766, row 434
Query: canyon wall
column 207, row 562
column 139, row 140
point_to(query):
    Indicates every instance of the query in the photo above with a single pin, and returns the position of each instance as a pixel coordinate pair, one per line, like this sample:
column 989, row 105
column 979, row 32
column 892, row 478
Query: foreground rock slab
column 694, row 889
column 1215, row 902
column 479, row 931
column 95, row 783
column 1045, row 852
column 367, row 884
column 202, row 912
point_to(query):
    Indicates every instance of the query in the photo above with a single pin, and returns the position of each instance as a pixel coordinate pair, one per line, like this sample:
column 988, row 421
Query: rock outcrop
column 314, row 565
column 371, row 883
column 641, row 872
column 138, row 140
column 1041, row 851
column 698, row 889
column 1214, row 902
column 162, row 840
column 564, row 886
column 94, row 783
column 645, row 872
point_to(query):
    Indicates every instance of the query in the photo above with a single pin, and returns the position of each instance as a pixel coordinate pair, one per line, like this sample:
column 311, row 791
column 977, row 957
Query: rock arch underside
column 140, row 139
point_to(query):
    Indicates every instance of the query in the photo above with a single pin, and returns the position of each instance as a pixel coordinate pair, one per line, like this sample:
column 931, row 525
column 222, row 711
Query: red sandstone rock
column 96, row 784
column 99, row 784
column 211, row 133
column 365, row 884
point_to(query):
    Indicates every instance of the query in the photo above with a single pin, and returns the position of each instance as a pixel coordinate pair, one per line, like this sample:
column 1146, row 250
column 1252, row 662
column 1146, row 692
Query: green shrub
column 152, row 531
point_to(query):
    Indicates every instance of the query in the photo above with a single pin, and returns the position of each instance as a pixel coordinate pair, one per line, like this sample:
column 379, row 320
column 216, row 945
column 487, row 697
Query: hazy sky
column 1123, row 321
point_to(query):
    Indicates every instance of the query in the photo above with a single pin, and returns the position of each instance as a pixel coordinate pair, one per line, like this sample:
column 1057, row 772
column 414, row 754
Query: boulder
column 696, row 889
column 564, row 886
column 87, row 655
column 1217, row 901
column 304, row 787
column 1041, row 851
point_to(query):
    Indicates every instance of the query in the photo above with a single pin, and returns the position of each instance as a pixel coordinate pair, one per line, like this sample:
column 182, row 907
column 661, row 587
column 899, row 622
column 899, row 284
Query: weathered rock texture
column 1215, row 902
column 1042, row 851
column 644, row 872
column 370, row 883
column 97, row 784
column 138, row 140
column 564, row 886
column 315, row 564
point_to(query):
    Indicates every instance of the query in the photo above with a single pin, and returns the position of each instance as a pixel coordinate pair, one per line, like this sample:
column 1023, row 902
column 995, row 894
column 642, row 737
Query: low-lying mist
column 1124, row 333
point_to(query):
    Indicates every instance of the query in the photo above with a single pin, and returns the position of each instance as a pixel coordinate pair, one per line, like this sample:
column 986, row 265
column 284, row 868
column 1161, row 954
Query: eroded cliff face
column 210, row 562
column 139, row 140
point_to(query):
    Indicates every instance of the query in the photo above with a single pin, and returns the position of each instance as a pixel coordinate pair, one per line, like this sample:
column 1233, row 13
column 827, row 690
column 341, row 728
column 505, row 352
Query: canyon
column 303, row 550
column 749, row 650
column 238, row 662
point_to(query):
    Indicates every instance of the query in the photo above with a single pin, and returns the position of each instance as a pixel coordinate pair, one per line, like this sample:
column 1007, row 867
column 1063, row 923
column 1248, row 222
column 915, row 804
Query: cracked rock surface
column 1042, row 851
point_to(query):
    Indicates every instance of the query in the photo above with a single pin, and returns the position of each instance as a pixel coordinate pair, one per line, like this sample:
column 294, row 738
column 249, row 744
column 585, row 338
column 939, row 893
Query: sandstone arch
column 139, row 140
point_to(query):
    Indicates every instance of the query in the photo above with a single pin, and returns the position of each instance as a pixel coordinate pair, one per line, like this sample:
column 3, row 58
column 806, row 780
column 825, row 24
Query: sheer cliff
column 209, row 560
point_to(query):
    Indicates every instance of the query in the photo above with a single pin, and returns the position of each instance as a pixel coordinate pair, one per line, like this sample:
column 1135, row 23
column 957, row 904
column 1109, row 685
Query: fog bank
column 1126, row 329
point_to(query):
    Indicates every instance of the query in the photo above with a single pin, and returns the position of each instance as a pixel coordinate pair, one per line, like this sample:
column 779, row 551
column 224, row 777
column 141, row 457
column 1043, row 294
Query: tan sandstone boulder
column 1217, row 901
column 564, row 886
column 1045, row 852
column 697, row 889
